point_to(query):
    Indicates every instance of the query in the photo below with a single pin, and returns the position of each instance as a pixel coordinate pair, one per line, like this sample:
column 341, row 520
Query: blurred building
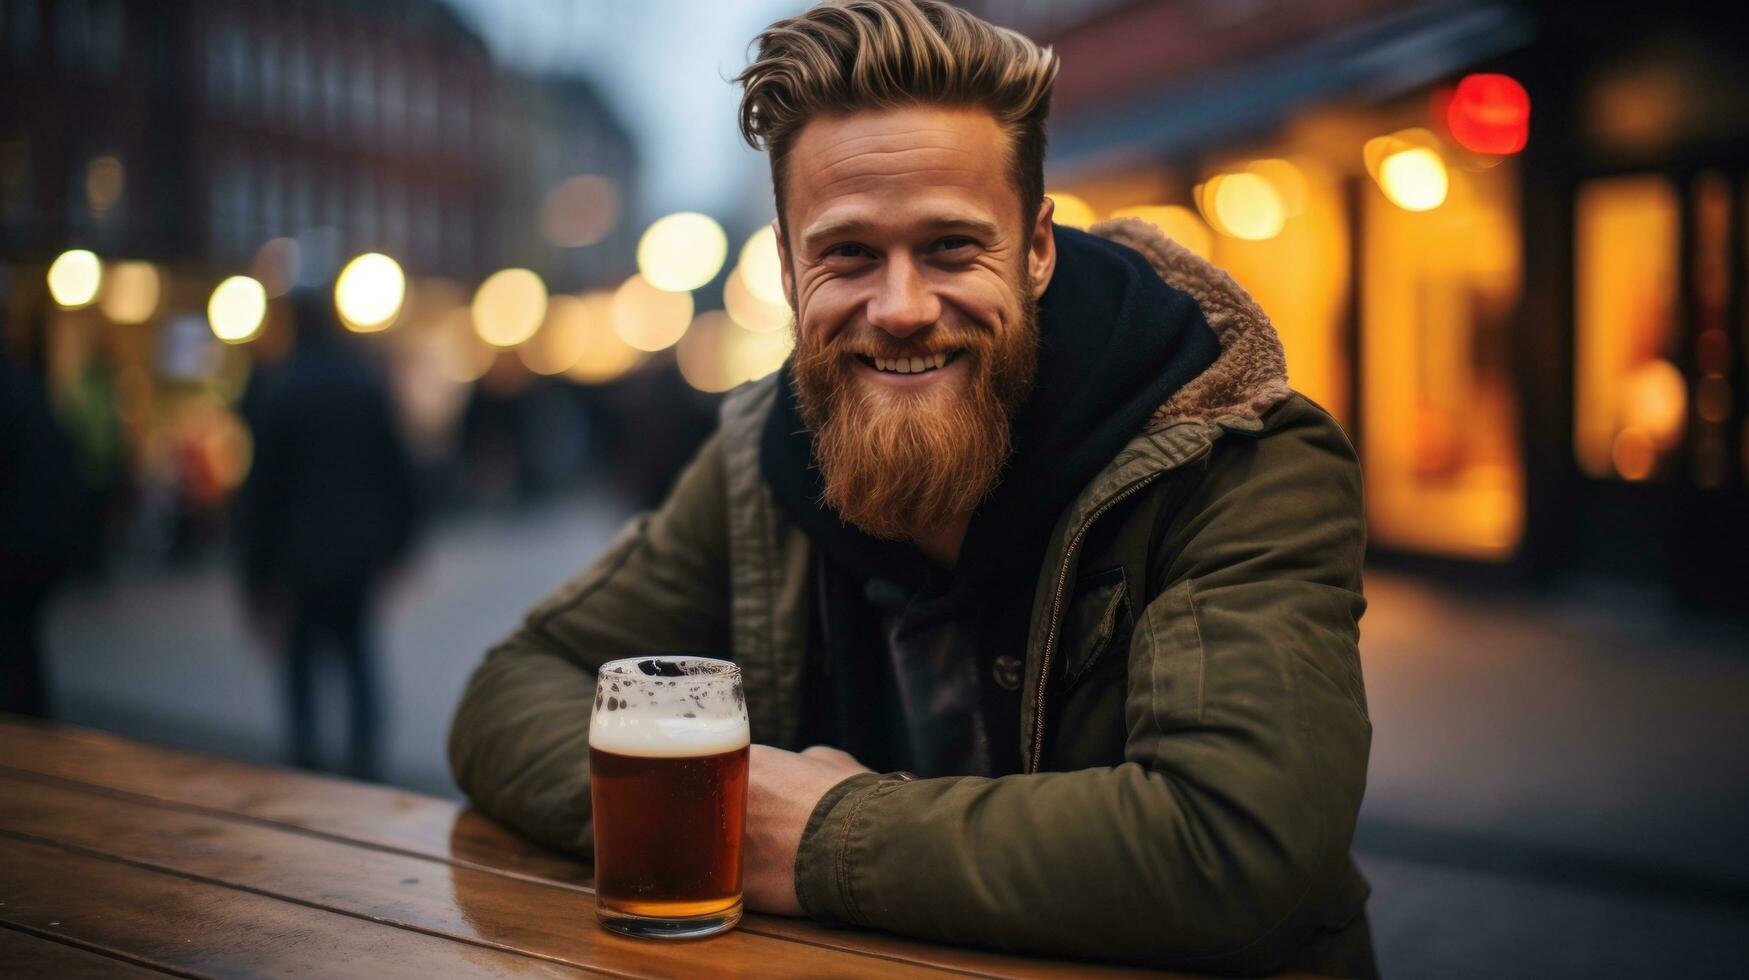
column 179, row 143
column 1504, row 244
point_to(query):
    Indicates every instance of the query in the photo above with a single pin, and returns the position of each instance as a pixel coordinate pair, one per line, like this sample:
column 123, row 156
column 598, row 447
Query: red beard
column 898, row 464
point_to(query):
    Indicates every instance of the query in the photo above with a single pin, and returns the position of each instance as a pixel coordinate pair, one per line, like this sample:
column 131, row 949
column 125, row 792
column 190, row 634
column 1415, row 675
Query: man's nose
column 903, row 303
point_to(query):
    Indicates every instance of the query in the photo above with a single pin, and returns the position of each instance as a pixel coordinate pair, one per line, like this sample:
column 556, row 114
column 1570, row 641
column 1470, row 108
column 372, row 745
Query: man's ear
column 1041, row 249
column 789, row 279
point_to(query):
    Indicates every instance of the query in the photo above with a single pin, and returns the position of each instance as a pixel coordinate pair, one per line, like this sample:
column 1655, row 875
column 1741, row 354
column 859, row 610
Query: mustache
column 936, row 340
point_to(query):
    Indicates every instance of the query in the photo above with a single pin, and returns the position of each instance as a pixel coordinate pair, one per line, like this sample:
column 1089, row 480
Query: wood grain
column 491, row 910
column 197, row 927
column 420, row 826
column 26, row 955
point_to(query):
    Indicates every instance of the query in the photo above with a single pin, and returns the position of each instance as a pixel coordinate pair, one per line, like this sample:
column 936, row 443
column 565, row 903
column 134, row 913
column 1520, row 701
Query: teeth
column 911, row 365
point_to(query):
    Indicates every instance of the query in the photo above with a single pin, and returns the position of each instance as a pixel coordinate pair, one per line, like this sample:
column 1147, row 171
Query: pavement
column 1559, row 784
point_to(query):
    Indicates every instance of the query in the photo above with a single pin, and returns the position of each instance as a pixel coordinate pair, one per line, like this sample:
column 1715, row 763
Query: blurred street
column 1542, row 771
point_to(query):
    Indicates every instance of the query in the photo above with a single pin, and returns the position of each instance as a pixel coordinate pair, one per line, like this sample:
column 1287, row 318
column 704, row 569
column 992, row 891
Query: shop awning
column 1367, row 60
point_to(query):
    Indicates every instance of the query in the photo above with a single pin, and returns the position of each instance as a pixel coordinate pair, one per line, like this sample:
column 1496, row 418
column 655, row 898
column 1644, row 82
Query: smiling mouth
column 910, row 365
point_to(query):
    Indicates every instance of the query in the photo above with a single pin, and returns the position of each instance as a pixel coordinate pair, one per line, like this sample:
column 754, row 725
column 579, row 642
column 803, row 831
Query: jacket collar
column 1250, row 375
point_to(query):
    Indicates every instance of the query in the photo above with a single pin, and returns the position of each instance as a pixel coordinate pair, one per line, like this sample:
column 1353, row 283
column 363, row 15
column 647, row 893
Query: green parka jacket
column 1198, row 605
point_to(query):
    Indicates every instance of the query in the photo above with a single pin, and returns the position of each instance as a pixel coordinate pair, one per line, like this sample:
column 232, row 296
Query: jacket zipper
column 1038, row 707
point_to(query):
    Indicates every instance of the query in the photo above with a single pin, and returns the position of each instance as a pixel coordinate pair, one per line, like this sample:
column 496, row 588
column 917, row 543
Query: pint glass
column 668, row 781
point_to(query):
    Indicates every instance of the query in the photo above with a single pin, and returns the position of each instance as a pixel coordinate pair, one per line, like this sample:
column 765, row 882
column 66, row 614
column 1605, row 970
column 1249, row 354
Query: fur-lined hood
column 1250, row 375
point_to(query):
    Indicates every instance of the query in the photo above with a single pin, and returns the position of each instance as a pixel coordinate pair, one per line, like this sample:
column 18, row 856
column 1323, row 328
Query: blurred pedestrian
column 39, row 531
column 329, row 506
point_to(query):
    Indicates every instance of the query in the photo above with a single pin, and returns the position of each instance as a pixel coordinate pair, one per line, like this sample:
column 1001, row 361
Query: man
column 1030, row 530
column 329, row 507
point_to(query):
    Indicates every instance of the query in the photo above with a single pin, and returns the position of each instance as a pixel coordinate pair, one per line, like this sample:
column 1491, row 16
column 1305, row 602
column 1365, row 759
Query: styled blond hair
column 844, row 55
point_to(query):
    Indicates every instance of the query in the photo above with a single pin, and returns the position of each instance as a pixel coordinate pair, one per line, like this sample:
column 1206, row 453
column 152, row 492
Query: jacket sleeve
column 519, row 744
column 1227, row 826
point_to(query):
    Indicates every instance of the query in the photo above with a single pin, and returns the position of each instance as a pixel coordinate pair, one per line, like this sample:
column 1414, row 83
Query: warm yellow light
column 761, row 269
column 606, row 357
column 682, row 252
column 749, row 310
column 130, row 292
column 756, row 355
column 369, row 292
column 74, row 277
column 1414, row 179
column 704, row 354
column 1249, row 207
column 236, row 309
column 648, row 318
column 1175, row 222
column 1288, row 181
column 562, row 338
column 509, row 306
column 1071, row 211
column 1654, row 400
column 462, row 356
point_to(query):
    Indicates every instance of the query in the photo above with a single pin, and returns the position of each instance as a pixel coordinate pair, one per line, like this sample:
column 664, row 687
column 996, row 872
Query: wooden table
column 122, row 859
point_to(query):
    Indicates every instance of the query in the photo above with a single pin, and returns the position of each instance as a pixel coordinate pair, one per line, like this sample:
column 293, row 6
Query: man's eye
column 848, row 250
column 954, row 243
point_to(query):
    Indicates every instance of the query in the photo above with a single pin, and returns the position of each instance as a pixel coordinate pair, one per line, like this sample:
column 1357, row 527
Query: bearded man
column 1029, row 542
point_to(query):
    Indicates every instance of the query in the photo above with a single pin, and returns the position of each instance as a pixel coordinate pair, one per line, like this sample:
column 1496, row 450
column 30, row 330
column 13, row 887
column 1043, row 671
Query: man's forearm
column 519, row 745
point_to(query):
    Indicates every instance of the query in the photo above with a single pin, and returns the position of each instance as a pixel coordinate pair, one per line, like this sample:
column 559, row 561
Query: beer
column 668, row 781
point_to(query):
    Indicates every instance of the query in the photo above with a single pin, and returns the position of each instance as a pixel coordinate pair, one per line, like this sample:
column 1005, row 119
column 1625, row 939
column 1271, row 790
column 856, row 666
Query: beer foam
column 655, row 733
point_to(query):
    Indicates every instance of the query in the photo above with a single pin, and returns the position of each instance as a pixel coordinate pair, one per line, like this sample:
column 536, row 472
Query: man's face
column 914, row 282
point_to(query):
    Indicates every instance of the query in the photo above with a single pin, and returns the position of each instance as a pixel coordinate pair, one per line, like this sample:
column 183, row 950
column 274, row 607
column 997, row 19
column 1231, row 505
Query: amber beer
column 668, row 776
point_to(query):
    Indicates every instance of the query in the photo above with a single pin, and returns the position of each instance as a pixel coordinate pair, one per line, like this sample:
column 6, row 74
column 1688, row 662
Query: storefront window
column 1298, row 273
column 1441, row 435
column 1630, row 398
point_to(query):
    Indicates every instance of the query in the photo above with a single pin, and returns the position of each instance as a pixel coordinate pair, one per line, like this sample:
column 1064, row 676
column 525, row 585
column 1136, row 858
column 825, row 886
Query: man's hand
column 782, row 789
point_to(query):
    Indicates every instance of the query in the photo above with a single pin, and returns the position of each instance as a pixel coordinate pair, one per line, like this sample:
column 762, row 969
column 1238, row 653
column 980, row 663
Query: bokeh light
column 562, row 338
column 717, row 354
column 648, row 318
column 580, row 210
column 1654, row 401
column 1287, row 179
column 105, row 178
column 130, row 292
column 758, row 354
column 705, row 353
column 1414, row 179
column 277, row 266
column 761, row 268
column 1176, row 222
column 749, row 310
column 606, row 356
column 509, row 307
column 1634, row 454
column 236, row 310
column 1489, row 113
column 1071, row 211
column 1247, row 206
column 462, row 356
column 74, row 277
column 369, row 292
column 682, row 252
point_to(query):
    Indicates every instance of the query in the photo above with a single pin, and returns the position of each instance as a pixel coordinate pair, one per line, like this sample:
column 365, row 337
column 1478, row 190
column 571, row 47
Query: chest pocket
column 1098, row 619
